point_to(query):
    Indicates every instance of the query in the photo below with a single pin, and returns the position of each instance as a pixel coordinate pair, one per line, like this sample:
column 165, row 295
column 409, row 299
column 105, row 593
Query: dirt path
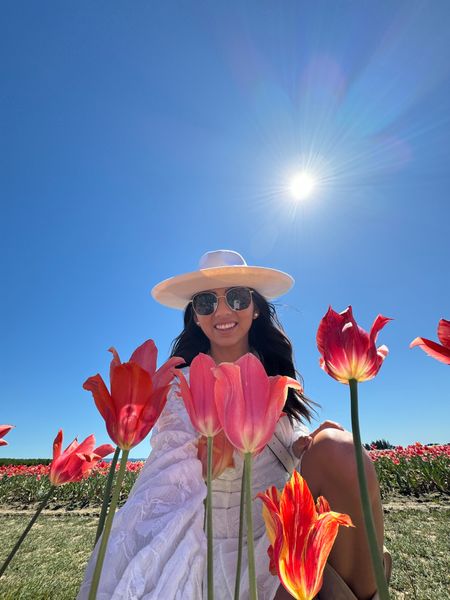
column 390, row 504
column 425, row 504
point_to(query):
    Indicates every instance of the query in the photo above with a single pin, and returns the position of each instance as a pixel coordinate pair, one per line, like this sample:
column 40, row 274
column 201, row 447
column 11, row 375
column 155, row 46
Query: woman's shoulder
column 290, row 427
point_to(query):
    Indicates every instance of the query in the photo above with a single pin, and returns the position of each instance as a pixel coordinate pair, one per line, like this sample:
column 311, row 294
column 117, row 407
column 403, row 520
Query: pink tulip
column 198, row 395
column 77, row 460
column 249, row 403
column 138, row 394
column 4, row 429
column 441, row 353
column 349, row 352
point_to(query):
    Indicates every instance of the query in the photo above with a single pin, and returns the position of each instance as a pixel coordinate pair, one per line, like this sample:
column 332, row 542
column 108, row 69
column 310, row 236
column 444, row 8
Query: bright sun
column 301, row 185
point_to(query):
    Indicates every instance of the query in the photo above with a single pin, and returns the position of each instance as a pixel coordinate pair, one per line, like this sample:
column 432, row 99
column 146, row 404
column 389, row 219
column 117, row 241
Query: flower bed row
column 414, row 470
column 21, row 485
column 411, row 470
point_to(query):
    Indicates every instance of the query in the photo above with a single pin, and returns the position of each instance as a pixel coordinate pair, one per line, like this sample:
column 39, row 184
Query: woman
column 157, row 545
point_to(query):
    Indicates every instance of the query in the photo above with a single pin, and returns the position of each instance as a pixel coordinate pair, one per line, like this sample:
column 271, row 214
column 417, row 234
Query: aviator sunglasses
column 237, row 298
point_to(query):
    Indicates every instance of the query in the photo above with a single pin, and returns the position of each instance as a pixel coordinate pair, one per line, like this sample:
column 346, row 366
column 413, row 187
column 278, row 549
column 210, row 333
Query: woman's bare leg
column 329, row 468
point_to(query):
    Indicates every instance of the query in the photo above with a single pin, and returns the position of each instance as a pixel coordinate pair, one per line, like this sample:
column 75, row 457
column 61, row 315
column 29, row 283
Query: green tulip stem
column 365, row 502
column 209, row 524
column 107, row 494
column 27, row 529
column 108, row 524
column 253, row 594
column 241, row 531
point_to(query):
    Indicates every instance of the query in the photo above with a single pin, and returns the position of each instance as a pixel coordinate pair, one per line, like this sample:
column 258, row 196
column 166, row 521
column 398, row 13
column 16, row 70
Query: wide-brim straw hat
column 221, row 268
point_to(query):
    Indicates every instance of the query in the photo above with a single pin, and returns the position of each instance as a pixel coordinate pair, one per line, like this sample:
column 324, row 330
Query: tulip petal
column 319, row 544
column 203, row 411
column 130, row 384
column 377, row 326
column 115, row 361
column 271, row 507
column 146, row 356
column 229, row 399
column 296, row 523
column 102, row 397
column 279, row 387
column 104, row 450
column 222, row 454
column 57, row 444
column 164, row 375
column 4, row 429
column 261, row 410
column 322, row 505
column 153, row 409
column 86, row 446
column 432, row 349
column 444, row 333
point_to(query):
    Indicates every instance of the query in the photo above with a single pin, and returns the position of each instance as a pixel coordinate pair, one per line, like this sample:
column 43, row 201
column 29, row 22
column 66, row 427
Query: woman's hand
column 302, row 444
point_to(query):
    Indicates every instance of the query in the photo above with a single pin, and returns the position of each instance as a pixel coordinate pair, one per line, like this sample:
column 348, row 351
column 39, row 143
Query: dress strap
column 279, row 450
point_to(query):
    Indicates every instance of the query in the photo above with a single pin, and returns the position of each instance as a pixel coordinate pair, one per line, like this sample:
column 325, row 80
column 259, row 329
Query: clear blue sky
column 137, row 135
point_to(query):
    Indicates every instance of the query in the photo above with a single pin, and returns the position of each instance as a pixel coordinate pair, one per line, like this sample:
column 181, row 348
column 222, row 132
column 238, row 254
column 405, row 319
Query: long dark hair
column 266, row 337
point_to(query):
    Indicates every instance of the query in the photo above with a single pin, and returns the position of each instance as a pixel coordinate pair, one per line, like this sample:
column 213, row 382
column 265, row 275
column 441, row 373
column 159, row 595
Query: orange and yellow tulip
column 198, row 395
column 222, row 454
column 249, row 403
column 301, row 535
column 437, row 351
column 348, row 352
column 4, row 429
column 77, row 460
column 138, row 394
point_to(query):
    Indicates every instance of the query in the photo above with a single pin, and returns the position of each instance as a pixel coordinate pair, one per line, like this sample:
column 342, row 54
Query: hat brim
column 176, row 292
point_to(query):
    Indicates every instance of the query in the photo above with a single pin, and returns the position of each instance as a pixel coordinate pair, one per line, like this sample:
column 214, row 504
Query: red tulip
column 77, row 460
column 222, row 454
column 249, row 403
column 198, row 395
column 441, row 353
column 349, row 352
column 138, row 394
column 4, row 429
column 301, row 535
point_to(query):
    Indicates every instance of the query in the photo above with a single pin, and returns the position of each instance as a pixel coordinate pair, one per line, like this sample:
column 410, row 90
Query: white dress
column 157, row 546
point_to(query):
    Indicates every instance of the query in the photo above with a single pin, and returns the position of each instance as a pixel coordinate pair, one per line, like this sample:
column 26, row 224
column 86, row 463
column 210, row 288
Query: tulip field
column 408, row 474
column 413, row 470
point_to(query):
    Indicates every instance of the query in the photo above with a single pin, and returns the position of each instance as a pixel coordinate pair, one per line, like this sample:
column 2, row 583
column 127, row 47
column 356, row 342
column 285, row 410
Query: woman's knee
column 331, row 460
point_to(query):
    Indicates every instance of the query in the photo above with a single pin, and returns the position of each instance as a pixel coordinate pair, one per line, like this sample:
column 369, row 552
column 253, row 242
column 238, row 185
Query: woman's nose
column 222, row 306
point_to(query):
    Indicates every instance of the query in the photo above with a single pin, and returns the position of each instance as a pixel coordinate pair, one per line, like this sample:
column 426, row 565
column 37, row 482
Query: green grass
column 50, row 564
column 419, row 543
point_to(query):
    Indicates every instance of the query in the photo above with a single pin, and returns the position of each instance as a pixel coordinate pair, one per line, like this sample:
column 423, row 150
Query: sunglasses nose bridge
column 222, row 302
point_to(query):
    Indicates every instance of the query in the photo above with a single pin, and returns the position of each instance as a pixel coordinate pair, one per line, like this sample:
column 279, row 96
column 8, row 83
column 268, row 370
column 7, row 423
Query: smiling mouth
column 225, row 326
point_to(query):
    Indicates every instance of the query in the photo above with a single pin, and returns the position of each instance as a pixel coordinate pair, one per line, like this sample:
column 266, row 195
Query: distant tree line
column 379, row 445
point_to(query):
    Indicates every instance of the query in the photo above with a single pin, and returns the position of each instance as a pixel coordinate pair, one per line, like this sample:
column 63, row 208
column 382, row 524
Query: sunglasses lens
column 239, row 298
column 204, row 303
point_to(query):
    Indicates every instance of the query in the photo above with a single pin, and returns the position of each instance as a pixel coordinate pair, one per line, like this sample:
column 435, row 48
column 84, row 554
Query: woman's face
column 227, row 329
